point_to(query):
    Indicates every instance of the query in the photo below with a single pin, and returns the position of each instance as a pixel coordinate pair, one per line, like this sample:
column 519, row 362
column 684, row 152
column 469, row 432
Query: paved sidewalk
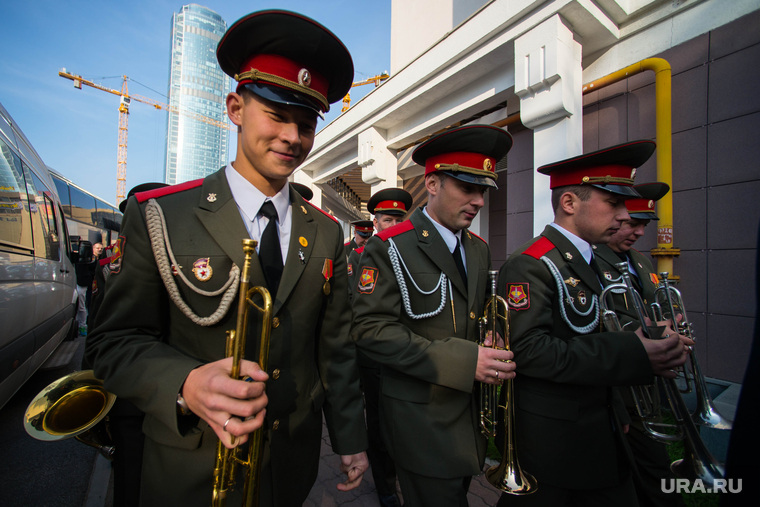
column 325, row 494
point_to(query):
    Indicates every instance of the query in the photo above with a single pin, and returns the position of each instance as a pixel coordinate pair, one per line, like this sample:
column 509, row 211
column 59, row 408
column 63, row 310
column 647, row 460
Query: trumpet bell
column 68, row 407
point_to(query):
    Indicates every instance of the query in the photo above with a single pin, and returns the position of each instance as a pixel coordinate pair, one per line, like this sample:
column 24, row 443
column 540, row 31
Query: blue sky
column 76, row 131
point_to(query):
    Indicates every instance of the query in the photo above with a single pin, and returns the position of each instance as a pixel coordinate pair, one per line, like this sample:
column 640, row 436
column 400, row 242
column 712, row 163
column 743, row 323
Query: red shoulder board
column 481, row 239
column 173, row 189
column 539, row 248
column 323, row 212
column 346, row 243
column 397, row 229
column 359, row 250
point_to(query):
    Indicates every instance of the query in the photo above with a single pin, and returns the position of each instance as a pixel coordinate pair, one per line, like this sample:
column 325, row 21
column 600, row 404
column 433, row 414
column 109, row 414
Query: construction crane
column 126, row 98
column 376, row 80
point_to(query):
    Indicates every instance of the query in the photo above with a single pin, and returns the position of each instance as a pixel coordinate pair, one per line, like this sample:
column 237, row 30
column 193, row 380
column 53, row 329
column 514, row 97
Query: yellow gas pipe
column 665, row 250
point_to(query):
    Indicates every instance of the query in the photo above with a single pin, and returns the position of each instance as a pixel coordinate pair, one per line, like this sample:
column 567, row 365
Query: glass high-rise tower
column 197, row 89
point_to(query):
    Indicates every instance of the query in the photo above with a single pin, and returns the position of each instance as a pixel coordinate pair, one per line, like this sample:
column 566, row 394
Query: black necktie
column 270, row 254
column 457, row 253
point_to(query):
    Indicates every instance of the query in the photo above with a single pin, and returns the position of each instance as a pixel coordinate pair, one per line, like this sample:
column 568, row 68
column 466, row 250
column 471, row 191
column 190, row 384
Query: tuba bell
column 507, row 476
column 227, row 460
column 73, row 406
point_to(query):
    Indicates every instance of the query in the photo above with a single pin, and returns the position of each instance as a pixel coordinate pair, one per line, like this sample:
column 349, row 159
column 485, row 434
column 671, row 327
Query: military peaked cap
column 468, row 153
column 391, row 201
column 287, row 58
column 611, row 169
column 643, row 208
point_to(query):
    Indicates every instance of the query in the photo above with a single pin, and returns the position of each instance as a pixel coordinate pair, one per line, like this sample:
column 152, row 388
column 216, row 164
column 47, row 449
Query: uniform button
column 276, row 374
column 276, row 424
column 275, row 322
column 472, row 315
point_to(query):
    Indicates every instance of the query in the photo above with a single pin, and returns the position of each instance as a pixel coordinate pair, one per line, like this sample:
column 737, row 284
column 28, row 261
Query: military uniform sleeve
column 546, row 348
column 385, row 333
column 127, row 347
column 344, row 409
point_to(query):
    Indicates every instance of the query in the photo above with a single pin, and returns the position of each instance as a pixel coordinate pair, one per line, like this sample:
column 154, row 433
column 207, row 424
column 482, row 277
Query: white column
column 378, row 163
column 548, row 80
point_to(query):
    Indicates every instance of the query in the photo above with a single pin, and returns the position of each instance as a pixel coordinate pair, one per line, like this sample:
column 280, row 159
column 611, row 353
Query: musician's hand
column 488, row 341
column 668, row 352
column 492, row 367
column 354, row 466
column 213, row 396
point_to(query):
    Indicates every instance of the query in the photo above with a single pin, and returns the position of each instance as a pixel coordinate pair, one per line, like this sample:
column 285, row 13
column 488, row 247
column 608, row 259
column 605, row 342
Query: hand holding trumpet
column 667, row 353
column 495, row 365
column 231, row 407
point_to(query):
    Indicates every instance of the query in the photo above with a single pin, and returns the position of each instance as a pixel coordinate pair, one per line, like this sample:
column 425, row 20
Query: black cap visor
column 282, row 96
column 484, row 181
column 622, row 190
column 643, row 216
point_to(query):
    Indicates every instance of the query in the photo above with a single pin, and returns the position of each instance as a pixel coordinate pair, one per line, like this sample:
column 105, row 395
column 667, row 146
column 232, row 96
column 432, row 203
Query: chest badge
column 202, row 269
column 568, row 256
column 582, row 297
column 327, row 272
column 302, row 241
column 572, row 282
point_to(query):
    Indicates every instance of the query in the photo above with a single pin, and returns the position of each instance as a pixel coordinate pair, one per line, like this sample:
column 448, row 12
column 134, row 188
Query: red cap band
column 287, row 69
column 639, row 205
column 476, row 161
column 611, row 174
column 389, row 205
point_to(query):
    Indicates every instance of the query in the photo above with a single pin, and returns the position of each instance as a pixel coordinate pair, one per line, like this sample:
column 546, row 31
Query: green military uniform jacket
column 145, row 346
column 565, row 427
column 643, row 276
column 429, row 414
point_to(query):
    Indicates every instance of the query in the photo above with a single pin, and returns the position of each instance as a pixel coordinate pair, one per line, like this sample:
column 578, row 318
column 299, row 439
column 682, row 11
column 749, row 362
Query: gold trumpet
column 698, row 462
column 73, row 406
column 227, row 460
column 506, row 476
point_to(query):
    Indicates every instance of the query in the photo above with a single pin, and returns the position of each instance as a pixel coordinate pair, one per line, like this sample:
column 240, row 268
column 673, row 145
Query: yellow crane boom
column 376, row 80
column 126, row 98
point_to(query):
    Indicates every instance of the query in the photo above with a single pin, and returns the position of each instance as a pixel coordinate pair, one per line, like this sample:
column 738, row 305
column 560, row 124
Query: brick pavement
column 325, row 494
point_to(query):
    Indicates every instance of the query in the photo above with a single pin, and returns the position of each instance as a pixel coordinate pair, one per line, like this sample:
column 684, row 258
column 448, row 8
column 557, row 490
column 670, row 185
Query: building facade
column 533, row 67
column 197, row 137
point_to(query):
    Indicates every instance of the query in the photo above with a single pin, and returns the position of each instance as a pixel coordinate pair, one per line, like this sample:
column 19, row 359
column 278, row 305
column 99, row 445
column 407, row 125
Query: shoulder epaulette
column 359, row 250
column 539, row 248
column 346, row 243
column 397, row 229
column 481, row 239
column 323, row 212
column 172, row 189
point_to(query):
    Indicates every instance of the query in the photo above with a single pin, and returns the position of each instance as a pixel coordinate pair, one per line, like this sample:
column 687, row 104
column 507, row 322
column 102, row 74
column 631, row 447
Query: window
column 15, row 220
column 63, row 193
column 42, row 209
column 82, row 206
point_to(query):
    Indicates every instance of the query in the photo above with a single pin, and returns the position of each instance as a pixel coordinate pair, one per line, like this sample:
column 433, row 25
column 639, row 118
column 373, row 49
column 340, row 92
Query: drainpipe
column 665, row 252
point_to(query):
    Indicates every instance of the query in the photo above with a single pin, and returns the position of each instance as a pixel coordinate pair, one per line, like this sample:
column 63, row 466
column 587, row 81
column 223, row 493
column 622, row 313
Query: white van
column 37, row 278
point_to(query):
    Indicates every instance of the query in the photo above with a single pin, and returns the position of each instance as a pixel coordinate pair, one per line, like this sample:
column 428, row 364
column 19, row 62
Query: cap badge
column 211, row 197
column 395, row 204
column 487, row 165
column 202, row 269
column 304, row 77
column 651, row 204
column 585, row 179
column 633, row 173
